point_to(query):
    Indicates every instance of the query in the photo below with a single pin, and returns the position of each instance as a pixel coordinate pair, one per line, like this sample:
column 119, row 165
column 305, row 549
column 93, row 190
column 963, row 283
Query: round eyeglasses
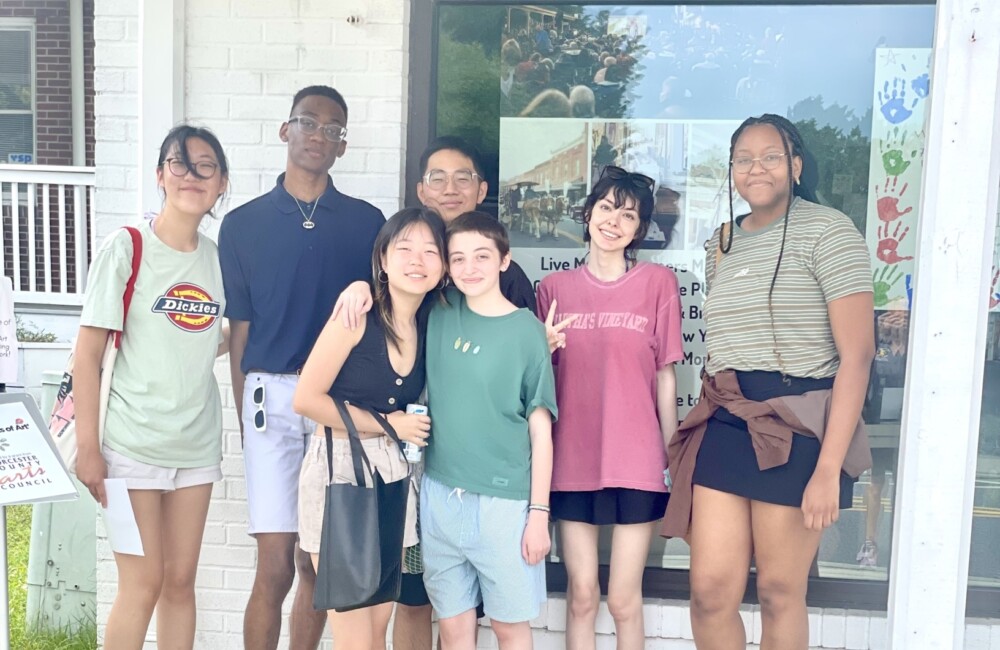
column 744, row 164
column 332, row 132
column 437, row 179
column 203, row 170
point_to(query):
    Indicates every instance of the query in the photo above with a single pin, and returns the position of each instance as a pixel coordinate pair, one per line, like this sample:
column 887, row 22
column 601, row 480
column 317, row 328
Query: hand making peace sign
column 555, row 332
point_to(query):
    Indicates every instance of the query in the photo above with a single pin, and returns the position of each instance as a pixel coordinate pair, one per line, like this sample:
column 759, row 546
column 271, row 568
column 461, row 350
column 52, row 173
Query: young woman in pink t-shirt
column 615, row 327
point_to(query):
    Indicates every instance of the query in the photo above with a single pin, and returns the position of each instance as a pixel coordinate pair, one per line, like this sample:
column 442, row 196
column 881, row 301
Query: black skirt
column 727, row 461
column 609, row 506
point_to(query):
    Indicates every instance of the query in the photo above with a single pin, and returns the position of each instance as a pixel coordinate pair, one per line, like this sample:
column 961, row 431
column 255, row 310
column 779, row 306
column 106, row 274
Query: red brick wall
column 54, row 138
column 88, row 77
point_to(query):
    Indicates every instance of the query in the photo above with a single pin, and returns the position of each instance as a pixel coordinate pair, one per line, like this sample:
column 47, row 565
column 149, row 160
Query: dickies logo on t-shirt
column 188, row 306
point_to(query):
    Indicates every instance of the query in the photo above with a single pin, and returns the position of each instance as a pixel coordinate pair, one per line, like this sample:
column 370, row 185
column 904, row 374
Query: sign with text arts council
column 899, row 96
column 31, row 470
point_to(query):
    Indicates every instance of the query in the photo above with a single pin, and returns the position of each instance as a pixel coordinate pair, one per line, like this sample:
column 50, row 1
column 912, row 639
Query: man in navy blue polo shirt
column 286, row 256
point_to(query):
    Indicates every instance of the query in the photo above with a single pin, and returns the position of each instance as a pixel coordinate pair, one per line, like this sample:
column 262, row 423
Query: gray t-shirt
column 825, row 258
column 164, row 407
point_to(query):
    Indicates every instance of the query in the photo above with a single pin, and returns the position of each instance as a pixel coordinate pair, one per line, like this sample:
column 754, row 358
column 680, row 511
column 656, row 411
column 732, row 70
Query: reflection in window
column 16, row 95
column 553, row 94
column 984, row 561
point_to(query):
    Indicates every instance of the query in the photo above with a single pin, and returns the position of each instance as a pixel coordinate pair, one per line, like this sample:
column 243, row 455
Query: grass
column 22, row 636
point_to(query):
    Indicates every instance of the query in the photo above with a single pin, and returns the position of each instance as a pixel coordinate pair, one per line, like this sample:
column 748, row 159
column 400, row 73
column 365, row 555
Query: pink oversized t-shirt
column 608, row 434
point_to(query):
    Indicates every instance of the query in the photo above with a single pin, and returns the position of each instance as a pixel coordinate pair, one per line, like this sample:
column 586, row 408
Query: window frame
column 26, row 25
column 872, row 595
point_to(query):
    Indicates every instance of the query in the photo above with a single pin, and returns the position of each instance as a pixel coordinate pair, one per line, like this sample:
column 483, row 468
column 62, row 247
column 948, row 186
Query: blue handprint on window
column 921, row 85
column 893, row 105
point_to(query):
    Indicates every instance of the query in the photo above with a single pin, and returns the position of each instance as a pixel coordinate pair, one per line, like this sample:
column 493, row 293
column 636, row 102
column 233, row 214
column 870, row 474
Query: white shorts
column 272, row 457
column 143, row 476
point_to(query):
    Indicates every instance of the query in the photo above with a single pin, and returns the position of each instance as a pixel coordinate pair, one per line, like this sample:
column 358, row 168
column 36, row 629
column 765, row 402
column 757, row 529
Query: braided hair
column 791, row 140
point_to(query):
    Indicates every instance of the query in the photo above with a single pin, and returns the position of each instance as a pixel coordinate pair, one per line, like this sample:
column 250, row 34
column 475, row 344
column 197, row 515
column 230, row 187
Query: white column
column 961, row 175
column 161, row 87
column 78, row 115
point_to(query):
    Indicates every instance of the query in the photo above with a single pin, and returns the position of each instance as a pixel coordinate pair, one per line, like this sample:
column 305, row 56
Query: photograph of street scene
column 544, row 184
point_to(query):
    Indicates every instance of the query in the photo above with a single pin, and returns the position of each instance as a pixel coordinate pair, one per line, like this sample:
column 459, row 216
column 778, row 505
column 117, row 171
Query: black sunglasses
column 640, row 181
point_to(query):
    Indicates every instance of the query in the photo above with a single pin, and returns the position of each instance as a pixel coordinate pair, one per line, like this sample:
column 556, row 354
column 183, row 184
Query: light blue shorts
column 472, row 553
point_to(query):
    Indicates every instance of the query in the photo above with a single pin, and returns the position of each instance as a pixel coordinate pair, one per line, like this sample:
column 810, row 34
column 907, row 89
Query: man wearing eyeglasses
column 451, row 184
column 285, row 258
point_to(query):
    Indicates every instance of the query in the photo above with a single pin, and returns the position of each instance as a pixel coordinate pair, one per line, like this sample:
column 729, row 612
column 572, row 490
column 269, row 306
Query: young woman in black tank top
column 378, row 365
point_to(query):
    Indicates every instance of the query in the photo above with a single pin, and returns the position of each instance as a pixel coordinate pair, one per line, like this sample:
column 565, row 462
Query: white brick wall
column 244, row 61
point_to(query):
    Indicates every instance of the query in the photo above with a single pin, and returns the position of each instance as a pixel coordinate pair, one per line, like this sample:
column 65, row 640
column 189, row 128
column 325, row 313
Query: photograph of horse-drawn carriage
column 543, row 168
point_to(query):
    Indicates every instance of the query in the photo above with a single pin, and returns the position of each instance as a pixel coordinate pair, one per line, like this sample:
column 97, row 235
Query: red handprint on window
column 889, row 243
column 994, row 293
column 887, row 203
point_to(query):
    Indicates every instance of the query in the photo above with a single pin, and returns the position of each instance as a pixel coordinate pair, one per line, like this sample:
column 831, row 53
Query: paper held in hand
column 119, row 519
column 31, row 471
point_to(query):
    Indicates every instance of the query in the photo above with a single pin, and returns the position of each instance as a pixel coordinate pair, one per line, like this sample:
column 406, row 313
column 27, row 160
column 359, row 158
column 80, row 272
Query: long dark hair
column 791, row 140
column 395, row 226
column 623, row 189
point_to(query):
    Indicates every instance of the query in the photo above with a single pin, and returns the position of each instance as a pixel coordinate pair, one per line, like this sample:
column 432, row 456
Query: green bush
column 31, row 333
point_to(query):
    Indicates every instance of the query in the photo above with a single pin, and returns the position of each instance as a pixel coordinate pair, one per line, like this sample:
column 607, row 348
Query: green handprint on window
column 884, row 280
column 895, row 160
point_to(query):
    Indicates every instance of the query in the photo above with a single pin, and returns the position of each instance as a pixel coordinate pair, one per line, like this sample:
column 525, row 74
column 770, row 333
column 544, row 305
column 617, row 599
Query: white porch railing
column 48, row 231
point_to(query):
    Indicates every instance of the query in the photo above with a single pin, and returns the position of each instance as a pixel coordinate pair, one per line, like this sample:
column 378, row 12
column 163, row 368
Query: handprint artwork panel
column 899, row 93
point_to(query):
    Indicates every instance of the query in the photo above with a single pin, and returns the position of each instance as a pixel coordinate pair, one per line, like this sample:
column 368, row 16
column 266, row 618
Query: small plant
column 31, row 333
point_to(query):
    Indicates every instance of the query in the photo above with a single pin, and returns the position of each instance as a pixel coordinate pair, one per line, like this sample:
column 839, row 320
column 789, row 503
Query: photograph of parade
column 651, row 62
column 542, row 185
column 658, row 150
column 563, row 62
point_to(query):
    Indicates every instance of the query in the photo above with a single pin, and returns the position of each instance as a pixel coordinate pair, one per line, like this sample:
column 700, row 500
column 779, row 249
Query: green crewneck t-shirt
column 485, row 376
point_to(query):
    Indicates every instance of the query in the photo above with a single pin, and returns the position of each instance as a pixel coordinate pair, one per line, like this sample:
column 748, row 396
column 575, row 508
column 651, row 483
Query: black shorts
column 413, row 594
column 727, row 461
column 609, row 506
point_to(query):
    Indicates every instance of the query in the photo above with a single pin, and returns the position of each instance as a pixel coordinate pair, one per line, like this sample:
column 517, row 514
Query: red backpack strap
column 130, row 286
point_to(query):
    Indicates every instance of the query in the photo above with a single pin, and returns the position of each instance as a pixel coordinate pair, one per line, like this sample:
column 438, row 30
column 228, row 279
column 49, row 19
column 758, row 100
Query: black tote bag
column 361, row 548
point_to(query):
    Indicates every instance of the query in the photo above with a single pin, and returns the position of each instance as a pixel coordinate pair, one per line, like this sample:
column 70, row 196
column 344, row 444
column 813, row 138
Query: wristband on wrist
column 538, row 506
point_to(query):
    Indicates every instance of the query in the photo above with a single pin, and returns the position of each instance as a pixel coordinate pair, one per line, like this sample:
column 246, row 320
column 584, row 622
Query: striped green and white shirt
column 825, row 258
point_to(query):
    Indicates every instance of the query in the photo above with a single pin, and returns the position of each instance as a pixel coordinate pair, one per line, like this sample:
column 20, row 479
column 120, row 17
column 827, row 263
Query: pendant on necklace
column 308, row 223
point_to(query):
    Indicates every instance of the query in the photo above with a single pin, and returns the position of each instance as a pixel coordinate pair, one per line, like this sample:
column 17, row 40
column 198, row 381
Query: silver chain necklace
column 308, row 224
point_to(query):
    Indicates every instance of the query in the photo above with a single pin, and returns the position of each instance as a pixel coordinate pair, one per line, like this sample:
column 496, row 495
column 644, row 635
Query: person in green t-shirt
column 163, row 431
column 485, row 492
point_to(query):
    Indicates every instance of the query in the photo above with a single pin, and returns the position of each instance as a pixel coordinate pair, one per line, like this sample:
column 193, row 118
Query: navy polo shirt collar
column 285, row 202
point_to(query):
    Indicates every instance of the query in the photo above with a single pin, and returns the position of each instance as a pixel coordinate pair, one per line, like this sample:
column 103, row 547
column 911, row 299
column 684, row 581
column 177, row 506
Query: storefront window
column 552, row 94
column 984, row 561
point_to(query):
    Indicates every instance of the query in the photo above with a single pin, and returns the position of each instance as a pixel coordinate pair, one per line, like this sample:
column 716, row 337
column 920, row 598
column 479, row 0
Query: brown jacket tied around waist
column 771, row 424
